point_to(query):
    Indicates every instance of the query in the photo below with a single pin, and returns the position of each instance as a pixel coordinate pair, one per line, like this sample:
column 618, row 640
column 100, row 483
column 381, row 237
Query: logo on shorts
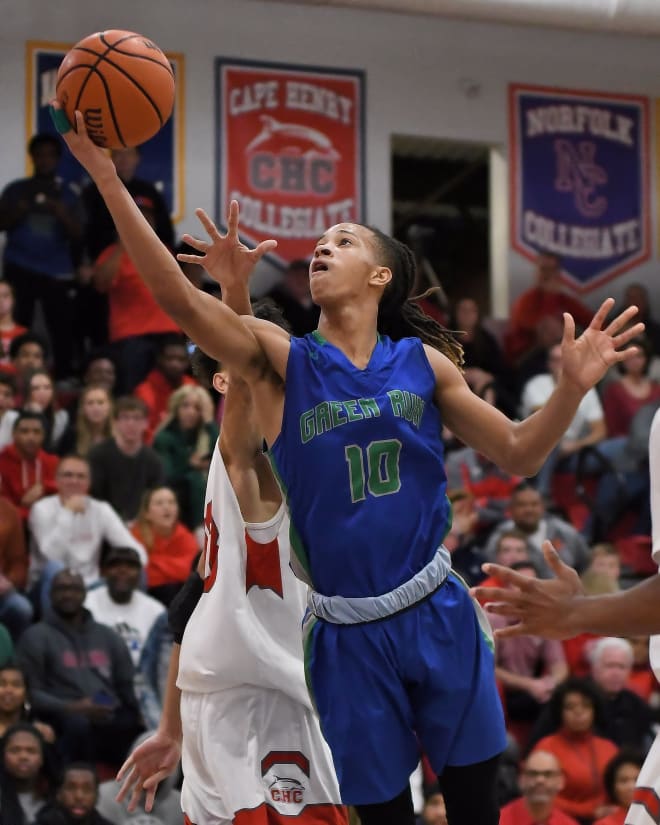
column 286, row 789
column 286, row 774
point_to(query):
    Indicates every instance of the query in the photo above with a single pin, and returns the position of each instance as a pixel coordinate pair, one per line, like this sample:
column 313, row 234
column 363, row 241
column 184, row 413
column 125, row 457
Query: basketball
column 123, row 85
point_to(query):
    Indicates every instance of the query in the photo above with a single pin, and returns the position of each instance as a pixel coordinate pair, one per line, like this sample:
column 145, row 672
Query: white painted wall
column 414, row 65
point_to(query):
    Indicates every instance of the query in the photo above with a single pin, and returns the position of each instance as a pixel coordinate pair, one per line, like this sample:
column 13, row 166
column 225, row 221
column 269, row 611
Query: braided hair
column 398, row 314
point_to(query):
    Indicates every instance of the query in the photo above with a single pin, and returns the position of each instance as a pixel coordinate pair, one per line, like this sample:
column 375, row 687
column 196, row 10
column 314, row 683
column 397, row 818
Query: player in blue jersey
column 396, row 655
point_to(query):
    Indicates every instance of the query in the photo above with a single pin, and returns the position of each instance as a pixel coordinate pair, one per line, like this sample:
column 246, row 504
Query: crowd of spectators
column 105, row 443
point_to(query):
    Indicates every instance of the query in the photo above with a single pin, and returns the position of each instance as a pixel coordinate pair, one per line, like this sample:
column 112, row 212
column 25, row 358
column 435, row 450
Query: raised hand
column 92, row 157
column 585, row 360
column 151, row 762
column 227, row 260
column 541, row 606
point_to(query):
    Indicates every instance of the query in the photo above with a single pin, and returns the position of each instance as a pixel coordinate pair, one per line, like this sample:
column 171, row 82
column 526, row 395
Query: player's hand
column 92, row 157
column 228, row 261
column 543, row 607
column 585, row 360
column 151, row 762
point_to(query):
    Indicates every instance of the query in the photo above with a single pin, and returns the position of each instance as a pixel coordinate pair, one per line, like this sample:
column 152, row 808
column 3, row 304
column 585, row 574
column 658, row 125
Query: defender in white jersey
column 251, row 739
column 251, row 747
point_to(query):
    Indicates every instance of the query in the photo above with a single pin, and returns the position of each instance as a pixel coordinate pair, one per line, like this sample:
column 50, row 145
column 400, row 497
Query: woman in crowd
column 93, row 422
column 620, row 777
column 577, row 715
column 185, row 442
column 26, row 775
column 40, row 397
column 15, row 703
column 171, row 546
column 624, row 396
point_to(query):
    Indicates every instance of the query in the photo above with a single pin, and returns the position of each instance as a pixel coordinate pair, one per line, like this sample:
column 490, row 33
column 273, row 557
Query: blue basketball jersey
column 360, row 461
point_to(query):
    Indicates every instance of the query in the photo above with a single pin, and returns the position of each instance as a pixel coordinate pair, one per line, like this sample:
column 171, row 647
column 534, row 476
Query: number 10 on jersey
column 373, row 470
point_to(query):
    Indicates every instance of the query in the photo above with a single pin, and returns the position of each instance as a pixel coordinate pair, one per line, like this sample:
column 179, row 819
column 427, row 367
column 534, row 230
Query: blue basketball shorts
column 420, row 680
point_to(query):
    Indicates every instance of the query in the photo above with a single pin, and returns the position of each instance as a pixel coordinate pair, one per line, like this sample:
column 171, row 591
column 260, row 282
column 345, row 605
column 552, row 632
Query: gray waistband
column 343, row 610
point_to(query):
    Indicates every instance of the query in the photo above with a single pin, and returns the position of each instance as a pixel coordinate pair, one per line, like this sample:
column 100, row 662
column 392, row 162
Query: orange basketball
column 121, row 82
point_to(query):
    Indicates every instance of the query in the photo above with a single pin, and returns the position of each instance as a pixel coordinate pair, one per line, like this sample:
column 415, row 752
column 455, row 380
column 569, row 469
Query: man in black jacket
column 81, row 677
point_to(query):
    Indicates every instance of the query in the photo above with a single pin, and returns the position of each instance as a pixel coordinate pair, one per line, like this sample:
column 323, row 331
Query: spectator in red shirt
column 546, row 298
column 27, row 472
column 541, row 779
column 9, row 329
column 136, row 321
column 577, row 714
column 625, row 396
column 620, row 778
column 15, row 609
column 170, row 545
column 172, row 364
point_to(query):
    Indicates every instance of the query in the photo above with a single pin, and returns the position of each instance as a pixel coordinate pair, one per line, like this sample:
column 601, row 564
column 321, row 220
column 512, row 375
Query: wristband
column 60, row 120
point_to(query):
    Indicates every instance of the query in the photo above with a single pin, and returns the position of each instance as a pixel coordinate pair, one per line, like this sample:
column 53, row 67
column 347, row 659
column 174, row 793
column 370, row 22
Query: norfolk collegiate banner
column 161, row 158
column 579, row 176
column 289, row 150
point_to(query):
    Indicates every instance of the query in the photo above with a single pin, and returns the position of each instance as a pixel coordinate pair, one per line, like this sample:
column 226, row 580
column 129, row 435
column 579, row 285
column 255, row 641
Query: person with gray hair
column 629, row 717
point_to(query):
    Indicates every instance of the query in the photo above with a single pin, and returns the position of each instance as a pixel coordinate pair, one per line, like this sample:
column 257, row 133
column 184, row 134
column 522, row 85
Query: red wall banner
column 290, row 150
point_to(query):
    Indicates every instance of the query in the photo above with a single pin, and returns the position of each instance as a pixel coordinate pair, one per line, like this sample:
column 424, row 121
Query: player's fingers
column 208, row 224
column 511, row 631
column 621, row 320
column 190, row 259
column 627, row 336
column 59, row 118
column 149, row 799
column 508, row 576
column 196, row 243
column 125, row 768
column 261, row 250
column 232, row 220
column 601, row 314
column 81, row 129
column 569, row 329
column 128, row 787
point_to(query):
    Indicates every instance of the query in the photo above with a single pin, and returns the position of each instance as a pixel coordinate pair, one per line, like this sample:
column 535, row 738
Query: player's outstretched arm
column 217, row 329
column 158, row 756
column 558, row 609
column 522, row 447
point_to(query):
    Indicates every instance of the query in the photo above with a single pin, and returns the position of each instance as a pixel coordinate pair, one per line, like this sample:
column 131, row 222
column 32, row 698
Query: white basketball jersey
column 246, row 628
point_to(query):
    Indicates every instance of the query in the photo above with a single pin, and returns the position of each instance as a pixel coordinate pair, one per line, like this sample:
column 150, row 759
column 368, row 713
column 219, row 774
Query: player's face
column 624, row 784
column 23, row 757
column 96, row 406
column 343, row 263
column 78, row 794
column 577, row 713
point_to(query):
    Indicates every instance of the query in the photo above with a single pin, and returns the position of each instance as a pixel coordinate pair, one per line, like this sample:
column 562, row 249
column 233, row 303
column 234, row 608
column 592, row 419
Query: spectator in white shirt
column 585, row 430
column 69, row 528
column 120, row 604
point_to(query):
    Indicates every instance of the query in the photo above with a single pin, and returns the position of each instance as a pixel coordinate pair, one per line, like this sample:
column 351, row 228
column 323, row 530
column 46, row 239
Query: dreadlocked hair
column 398, row 314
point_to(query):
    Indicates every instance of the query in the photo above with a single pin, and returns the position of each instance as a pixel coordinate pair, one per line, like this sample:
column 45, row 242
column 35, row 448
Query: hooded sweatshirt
column 63, row 663
column 18, row 474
